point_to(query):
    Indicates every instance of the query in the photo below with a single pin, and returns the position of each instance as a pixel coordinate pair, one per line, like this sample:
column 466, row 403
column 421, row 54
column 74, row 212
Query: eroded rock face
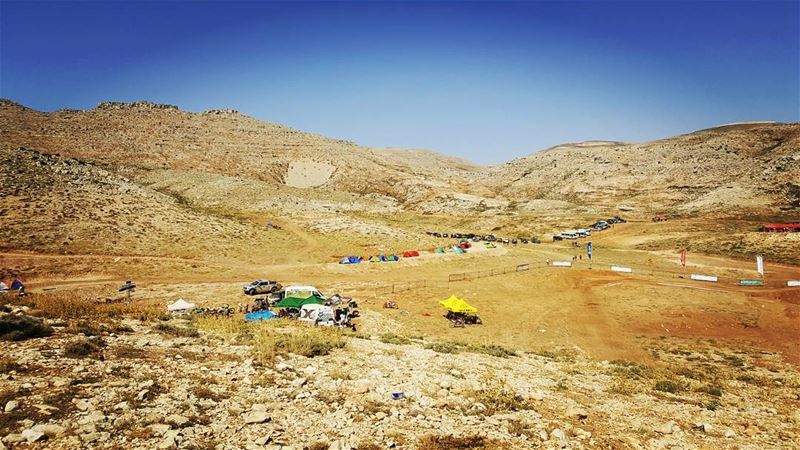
column 308, row 173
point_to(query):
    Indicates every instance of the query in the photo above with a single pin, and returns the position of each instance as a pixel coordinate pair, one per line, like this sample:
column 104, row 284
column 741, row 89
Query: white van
column 301, row 291
column 572, row 234
column 583, row 232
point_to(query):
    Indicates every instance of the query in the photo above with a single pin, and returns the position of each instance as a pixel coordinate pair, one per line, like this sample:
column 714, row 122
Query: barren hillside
column 732, row 169
column 145, row 138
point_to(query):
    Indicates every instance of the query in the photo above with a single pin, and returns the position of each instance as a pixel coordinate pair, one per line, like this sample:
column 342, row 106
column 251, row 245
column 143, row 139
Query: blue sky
column 486, row 81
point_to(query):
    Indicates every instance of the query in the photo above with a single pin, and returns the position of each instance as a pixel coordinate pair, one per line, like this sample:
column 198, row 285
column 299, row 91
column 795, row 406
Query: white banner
column 760, row 264
column 793, row 283
column 561, row 263
column 704, row 277
column 621, row 269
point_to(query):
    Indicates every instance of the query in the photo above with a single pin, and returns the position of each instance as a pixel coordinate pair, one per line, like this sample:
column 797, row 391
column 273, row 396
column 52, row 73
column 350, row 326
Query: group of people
column 16, row 285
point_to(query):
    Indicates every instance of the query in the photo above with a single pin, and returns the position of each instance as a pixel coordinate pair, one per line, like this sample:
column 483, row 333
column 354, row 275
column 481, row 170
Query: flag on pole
column 760, row 264
column 589, row 249
column 683, row 258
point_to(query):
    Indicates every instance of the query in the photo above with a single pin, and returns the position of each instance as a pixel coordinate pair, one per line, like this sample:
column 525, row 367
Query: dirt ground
column 606, row 314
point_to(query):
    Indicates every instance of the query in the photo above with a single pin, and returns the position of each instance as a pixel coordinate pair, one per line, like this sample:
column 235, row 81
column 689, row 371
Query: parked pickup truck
column 259, row 287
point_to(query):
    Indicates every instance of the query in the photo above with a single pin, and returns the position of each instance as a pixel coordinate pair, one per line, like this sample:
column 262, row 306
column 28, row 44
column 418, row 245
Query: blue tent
column 16, row 284
column 259, row 315
column 355, row 259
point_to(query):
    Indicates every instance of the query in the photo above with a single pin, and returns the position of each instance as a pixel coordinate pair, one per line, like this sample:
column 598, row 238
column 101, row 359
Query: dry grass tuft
column 450, row 442
column 172, row 330
column 497, row 397
column 231, row 329
column 275, row 338
column 83, row 347
column 391, row 338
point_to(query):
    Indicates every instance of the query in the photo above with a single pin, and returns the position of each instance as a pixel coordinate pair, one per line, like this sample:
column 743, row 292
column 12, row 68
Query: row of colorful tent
column 373, row 258
column 458, row 249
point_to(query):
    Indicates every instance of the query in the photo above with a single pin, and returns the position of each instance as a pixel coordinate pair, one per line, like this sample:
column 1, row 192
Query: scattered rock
column 177, row 420
column 11, row 405
column 667, row 428
column 256, row 417
column 32, row 435
column 362, row 386
column 50, row 430
column 577, row 412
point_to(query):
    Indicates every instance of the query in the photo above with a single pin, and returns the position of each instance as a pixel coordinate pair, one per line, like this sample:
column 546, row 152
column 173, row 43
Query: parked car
column 572, row 234
column 535, row 240
column 557, row 237
column 523, row 241
column 261, row 287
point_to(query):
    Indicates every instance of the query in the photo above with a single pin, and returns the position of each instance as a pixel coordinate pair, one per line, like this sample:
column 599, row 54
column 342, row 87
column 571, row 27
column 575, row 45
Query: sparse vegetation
column 671, row 386
column 82, row 347
column 176, row 331
column 457, row 347
column 450, row 442
column 710, row 389
column 270, row 340
column 496, row 396
column 231, row 329
column 561, row 354
column 391, row 338
column 443, row 347
column 21, row 327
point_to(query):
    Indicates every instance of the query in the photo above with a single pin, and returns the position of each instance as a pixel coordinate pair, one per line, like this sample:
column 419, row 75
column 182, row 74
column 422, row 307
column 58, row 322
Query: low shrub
column 630, row 370
column 497, row 397
column 81, row 348
column 560, row 354
column 711, row 389
column 713, row 405
column 670, row 386
column 444, row 347
column 9, row 365
column 391, row 338
column 172, row 330
column 450, row 442
column 492, row 349
column 20, row 328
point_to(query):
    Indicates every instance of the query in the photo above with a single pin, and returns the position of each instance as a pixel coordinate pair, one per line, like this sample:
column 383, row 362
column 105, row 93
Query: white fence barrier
column 711, row 278
column 793, row 283
column 621, row 269
column 561, row 263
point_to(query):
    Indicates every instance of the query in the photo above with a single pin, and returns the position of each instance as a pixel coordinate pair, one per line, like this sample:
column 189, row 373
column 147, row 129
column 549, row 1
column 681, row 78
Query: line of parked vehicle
column 488, row 238
column 600, row 225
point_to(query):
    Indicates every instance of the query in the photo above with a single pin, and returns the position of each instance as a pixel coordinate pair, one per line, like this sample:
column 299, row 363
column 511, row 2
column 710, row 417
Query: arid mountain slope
column 138, row 138
column 223, row 158
column 59, row 205
column 737, row 168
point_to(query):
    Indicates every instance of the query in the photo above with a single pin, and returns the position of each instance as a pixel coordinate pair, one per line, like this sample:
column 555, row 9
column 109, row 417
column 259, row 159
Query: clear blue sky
column 486, row 81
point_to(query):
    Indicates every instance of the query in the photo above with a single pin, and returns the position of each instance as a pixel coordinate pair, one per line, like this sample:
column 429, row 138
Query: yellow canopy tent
column 458, row 305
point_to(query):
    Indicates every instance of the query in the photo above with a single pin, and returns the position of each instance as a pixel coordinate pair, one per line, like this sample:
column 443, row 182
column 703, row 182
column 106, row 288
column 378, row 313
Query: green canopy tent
column 297, row 302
